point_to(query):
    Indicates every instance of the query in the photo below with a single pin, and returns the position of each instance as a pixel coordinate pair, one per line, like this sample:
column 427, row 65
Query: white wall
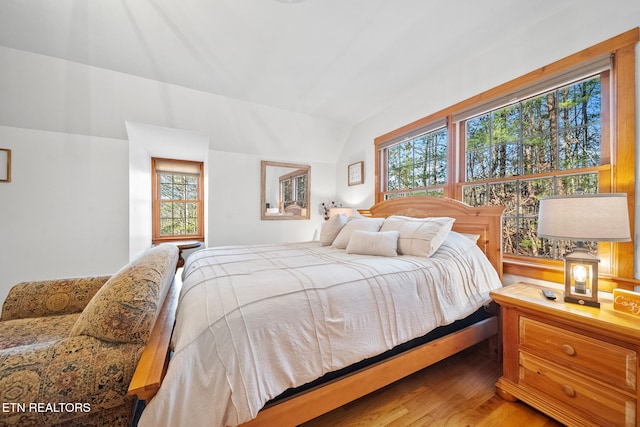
column 234, row 214
column 65, row 212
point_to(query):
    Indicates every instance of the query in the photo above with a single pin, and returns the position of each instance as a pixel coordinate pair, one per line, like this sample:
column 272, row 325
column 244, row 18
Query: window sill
column 553, row 271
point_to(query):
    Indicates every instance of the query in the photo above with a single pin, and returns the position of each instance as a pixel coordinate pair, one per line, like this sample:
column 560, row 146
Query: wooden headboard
column 485, row 221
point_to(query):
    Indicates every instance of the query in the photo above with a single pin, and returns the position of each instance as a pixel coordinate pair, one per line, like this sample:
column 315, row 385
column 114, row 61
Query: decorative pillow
column 125, row 308
column 381, row 243
column 365, row 224
column 419, row 236
column 331, row 229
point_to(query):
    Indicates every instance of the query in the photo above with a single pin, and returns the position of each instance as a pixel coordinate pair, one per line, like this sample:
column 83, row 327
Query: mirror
column 285, row 191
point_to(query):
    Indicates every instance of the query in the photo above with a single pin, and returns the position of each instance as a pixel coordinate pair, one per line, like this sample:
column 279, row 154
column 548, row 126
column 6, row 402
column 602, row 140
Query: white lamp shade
column 337, row 211
column 592, row 217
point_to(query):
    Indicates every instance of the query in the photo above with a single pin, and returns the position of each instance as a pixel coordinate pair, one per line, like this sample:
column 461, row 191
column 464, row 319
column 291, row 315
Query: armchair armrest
column 50, row 297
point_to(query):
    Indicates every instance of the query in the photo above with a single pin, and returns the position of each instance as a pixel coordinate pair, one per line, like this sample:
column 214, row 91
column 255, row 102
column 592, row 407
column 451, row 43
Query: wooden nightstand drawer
column 575, row 363
column 592, row 357
column 579, row 395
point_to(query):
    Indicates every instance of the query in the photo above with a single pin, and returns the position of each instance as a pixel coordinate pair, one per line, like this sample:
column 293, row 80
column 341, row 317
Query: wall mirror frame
column 285, row 191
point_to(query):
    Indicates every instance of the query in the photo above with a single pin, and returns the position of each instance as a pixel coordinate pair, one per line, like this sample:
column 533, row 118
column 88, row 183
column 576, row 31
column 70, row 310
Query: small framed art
column 5, row 165
column 356, row 173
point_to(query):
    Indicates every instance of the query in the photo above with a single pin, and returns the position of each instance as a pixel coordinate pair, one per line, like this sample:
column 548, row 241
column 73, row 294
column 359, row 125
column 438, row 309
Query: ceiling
column 343, row 60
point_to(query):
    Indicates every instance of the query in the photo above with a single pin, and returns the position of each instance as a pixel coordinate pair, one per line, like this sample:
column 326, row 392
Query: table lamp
column 584, row 217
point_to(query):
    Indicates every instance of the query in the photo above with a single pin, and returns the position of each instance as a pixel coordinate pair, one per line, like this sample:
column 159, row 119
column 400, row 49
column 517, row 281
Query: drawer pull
column 568, row 350
column 568, row 391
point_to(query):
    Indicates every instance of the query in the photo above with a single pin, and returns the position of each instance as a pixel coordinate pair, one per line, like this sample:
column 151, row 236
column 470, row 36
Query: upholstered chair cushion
column 88, row 377
column 125, row 308
column 39, row 330
column 50, row 297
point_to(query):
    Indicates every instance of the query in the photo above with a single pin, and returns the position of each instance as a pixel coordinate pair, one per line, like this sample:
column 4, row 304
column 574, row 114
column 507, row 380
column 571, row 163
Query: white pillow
column 365, row 224
column 331, row 229
column 419, row 236
column 382, row 243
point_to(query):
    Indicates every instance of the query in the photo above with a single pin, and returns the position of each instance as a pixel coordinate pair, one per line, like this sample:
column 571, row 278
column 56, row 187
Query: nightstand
column 576, row 364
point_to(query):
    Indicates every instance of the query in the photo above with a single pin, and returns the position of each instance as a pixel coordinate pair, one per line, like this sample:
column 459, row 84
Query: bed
column 256, row 323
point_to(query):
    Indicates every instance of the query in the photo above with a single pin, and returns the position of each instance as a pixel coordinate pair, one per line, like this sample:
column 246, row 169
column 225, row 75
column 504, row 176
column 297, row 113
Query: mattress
column 254, row 321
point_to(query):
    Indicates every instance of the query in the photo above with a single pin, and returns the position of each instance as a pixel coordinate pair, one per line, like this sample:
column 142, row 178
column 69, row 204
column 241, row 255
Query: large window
column 178, row 210
column 549, row 144
column 564, row 128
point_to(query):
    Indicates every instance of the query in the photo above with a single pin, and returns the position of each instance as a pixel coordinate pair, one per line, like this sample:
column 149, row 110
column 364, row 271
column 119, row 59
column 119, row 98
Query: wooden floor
column 459, row 391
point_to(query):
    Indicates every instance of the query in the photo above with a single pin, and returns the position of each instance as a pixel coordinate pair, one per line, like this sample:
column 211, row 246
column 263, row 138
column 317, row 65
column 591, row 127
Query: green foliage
column 556, row 131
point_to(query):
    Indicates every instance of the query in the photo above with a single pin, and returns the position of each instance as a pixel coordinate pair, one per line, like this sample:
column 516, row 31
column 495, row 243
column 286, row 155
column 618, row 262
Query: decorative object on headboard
column 580, row 218
column 5, row 165
column 356, row 173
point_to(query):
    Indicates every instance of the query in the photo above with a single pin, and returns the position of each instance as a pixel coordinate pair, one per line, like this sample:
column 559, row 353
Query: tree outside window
column 542, row 146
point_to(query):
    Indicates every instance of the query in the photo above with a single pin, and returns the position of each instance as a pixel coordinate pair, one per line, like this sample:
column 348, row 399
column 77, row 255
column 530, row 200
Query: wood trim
column 553, row 271
column 452, row 158
column 320, row 400
column 154, row 361
column 624, row 165
column 155, row 205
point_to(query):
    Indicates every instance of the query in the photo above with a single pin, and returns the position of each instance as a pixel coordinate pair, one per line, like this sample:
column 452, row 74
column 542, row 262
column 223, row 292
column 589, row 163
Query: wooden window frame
column 618, row 177
column 155, row 202
column 382, row 160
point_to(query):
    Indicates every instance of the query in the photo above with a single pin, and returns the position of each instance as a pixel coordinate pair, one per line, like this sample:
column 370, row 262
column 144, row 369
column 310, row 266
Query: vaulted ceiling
column 343, row 60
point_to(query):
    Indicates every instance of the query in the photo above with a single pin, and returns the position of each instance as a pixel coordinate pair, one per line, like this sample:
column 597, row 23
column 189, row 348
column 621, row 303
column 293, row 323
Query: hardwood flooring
column 458, row 391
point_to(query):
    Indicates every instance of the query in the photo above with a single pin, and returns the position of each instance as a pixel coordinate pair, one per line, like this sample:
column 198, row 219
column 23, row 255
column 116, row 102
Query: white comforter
column 254, row 321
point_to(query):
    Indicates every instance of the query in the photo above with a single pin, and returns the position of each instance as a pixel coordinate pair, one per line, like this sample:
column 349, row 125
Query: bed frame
column 294, row 410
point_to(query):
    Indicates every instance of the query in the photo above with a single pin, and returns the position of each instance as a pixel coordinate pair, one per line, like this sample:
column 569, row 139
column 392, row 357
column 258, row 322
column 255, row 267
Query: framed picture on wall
column 5, row 165
column 356, row 173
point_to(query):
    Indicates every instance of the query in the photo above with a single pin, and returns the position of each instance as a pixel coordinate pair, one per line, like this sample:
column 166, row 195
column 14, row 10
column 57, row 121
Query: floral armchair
column 69, row 347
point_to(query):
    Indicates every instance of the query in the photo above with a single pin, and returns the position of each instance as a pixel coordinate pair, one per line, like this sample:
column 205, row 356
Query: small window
column 416, row 166
column 178, row 209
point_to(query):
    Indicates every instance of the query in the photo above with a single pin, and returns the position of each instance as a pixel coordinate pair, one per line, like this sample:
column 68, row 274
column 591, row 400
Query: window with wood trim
column 177, row 201
column 548, row 144
column 416, row 164
column 569, row 125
